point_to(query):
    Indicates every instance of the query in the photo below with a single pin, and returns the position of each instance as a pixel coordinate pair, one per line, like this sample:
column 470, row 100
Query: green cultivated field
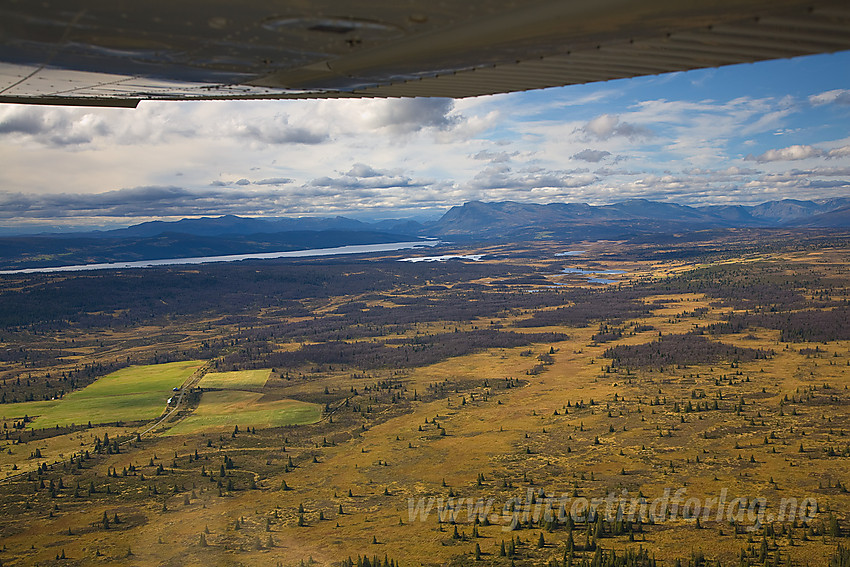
column 22, row 409
column 221, row 411
column 236, row 380
column 136, row 393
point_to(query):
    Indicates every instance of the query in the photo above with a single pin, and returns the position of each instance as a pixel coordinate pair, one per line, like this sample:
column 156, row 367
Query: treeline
column 355, row 320
column 364, row 561
column 453, row 306
column 35, row 356
column 361, row 321
column 130, row 297
column 44, row 385
column 720, row 243
column 589, row 305
column 48, row 386
column 814, row 325
column 681, row 350
column 121, row 298
column 755, row 285
column 396, row 353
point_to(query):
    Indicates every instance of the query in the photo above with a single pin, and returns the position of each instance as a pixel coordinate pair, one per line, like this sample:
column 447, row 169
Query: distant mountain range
column 479, row 219
column 632, row 217
column 475, row 220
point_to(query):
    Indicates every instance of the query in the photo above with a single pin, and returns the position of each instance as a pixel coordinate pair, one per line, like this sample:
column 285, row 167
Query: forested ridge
column 420, row 350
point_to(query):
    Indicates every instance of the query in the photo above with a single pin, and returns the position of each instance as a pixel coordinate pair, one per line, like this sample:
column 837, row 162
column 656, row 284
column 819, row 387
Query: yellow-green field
column 237, row 380
column 21, row 410
column 131, row 394
column 221, row 411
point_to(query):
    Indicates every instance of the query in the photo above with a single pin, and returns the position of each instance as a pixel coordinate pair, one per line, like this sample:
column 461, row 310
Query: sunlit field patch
column 236, row 380
column 224, row 410
column 136, row 393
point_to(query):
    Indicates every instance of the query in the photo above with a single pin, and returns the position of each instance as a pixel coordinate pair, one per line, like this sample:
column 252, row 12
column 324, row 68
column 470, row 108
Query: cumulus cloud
column 136, row 202
column 610, row 171
column 381, row 182
column 244, row 181
column 503, row 177
column 843, row 151
column 24, row 120
column 364, row 177
column 791, row 153
column 817, row 172
column 156, row 123
column 409, row 115
column 363, row 170
column 735, row 170
column 593, row 156
column 399, row 120
column 798, row 152
column 607, row 126
column 836, row 96
column 796, row 179
column 731, row 171
column 274, row 181
column 124, row 201
column 276, row 130
column 53, row 127
column 494, row 157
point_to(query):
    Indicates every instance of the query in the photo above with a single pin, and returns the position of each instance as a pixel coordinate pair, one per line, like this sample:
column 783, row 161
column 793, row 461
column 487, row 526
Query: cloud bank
column 657, row 138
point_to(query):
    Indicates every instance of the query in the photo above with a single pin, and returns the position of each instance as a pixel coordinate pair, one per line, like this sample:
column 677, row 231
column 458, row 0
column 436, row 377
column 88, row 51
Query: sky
column 743, row 134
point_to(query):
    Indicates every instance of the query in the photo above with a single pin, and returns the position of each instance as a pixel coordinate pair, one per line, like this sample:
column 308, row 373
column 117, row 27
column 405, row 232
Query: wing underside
column 118, row 53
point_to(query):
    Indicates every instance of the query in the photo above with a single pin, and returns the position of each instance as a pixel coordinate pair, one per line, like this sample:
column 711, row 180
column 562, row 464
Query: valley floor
column 498, row 411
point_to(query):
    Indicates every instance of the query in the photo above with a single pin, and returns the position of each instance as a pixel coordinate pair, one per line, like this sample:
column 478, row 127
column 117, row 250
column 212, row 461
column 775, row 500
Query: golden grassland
column 460, row 431
column 57, row 448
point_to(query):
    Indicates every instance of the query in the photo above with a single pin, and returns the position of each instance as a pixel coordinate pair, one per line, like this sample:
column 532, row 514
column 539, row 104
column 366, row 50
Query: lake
column 354, row 249
column 592, row 272
column 473, row 257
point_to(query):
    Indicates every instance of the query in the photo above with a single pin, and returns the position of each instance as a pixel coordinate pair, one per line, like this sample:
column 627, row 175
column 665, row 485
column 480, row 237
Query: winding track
column 190, row 382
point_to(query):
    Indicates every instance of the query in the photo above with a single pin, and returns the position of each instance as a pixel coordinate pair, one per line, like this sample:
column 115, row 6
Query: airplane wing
column 118, row 52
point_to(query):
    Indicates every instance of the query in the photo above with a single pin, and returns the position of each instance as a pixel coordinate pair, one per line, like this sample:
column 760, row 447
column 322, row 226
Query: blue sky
column 736, row 135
